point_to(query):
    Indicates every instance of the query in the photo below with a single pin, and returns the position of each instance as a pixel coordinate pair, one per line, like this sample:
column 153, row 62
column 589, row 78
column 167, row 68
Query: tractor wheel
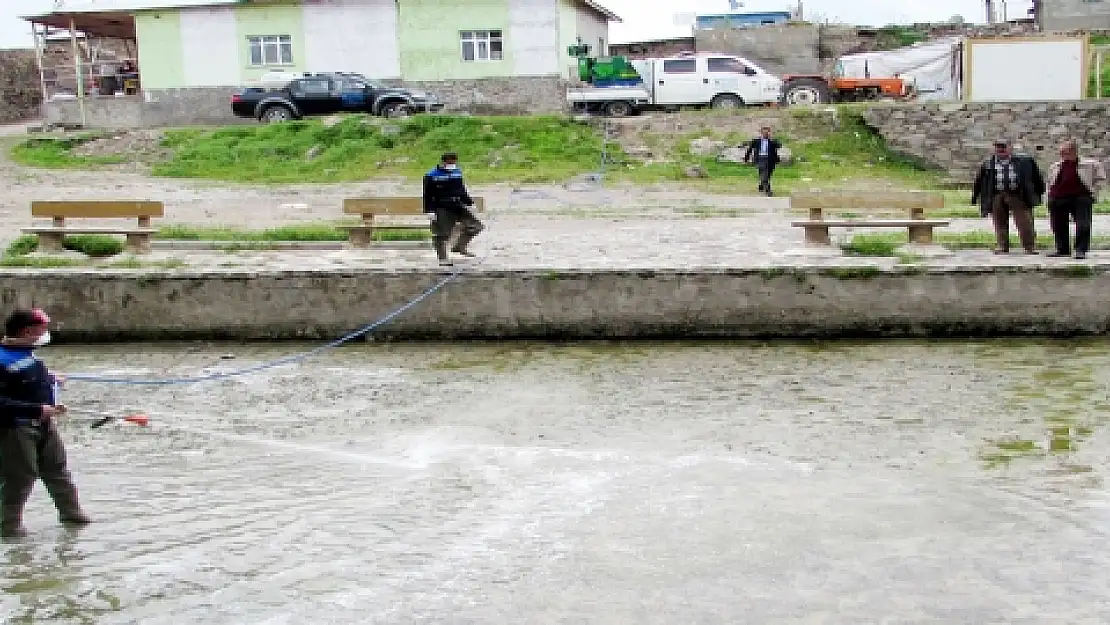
column 805, row 92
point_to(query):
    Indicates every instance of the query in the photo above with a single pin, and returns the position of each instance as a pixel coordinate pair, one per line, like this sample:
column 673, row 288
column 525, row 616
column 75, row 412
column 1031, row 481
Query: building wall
column 534, row 37
column 352, row 35
column 210, row 48
column 568, row 36
column 256, row 21
column 777, row 49
column 20, row 91
column 158, row 34
column 1074, row 15
column 593, row 29
column 429, row 32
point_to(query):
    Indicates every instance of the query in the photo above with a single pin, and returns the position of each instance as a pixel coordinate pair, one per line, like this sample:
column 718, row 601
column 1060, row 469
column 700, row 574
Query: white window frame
column 279, row 47
column 481, row 44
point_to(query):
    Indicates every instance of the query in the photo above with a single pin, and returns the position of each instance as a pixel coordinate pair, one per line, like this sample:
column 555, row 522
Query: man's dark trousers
column 766, row 168
column 28, row 453
column 1060, row 211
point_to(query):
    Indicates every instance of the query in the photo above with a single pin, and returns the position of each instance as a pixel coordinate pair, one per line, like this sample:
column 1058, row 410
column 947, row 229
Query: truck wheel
column 276, row 113
column 725, row 101
column 618, row 109
column 805, row 91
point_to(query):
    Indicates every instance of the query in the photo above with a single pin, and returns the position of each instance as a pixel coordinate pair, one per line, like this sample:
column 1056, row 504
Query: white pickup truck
column 705, row 79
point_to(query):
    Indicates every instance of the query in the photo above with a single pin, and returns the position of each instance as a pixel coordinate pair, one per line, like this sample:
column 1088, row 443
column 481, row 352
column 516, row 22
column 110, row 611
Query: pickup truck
column 310, row 95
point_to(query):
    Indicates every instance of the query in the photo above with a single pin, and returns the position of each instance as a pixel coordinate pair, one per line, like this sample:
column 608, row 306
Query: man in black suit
column 765, row 151
column 1009, row 184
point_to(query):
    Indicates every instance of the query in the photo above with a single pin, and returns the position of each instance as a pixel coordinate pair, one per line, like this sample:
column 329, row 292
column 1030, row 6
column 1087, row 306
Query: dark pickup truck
column 324, row 94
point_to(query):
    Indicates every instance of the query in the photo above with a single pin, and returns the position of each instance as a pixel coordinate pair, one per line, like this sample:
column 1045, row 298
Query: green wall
column 428, row 32
column 269, row 20
column 158, row 36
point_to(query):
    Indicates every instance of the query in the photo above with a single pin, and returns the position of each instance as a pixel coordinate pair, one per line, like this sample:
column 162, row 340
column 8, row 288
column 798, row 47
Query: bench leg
column 138, row 243
column 817, row 235
column 360, row 237
column 921, row 234
column 51, row 242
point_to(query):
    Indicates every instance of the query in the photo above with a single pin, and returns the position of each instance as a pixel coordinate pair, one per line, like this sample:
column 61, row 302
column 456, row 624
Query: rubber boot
column 11, row 522
column 460, row 244
column 68, row 505
column 441, row 252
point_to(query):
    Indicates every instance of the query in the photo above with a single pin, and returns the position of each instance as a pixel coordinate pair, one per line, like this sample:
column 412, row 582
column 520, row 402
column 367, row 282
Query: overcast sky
column 654, row 19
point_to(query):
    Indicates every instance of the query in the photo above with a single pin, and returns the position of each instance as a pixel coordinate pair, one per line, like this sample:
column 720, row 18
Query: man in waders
column 447, row 204
column 30, row 446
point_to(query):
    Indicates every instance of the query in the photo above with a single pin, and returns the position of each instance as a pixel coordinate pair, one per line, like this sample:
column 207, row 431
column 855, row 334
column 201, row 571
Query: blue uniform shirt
column 26, row 385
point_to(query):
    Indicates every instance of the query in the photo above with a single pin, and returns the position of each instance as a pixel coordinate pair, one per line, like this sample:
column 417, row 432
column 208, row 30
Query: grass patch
column 528, row 149
column 871, row 245
column 885, row 244
column 92, row 245
column 1092, row 83
column 305, row 233
column 827, row 147
column 57, row 153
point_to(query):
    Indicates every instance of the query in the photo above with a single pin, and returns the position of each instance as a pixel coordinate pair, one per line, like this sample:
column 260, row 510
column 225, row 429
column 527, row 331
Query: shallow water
column 893, row 482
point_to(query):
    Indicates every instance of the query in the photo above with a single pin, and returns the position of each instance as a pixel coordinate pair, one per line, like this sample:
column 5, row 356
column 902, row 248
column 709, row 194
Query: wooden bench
column 52, row 238
column 916, row 203
column 393, row 213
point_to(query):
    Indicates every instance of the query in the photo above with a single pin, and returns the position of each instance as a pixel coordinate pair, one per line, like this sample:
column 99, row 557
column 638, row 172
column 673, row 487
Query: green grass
column 302, row 233
column 531, row 149
column 57, row 153
column 93, row 245
column 886, row 244
column 534, row 149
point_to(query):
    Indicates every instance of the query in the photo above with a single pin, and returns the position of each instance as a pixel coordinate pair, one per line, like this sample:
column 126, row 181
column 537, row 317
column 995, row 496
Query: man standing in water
column 447, row 204
column 30, row 445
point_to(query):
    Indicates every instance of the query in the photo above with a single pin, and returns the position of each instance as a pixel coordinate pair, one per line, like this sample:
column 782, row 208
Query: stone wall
column 758, row 302
column 182, row 107
column 1059, row 15
column 787, row 49
column 957, row 136
column 20, row 91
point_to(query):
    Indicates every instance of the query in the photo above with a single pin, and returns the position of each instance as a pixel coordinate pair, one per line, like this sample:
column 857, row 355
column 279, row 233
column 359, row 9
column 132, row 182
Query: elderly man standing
column 1008, row 184
column 1073, row 187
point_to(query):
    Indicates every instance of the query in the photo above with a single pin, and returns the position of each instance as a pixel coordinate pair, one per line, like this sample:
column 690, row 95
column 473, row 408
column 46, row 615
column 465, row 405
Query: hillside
column 695, row 148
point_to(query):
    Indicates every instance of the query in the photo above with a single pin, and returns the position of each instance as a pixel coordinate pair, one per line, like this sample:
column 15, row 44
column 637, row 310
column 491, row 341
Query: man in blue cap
column 30, row 445
column 447, row 203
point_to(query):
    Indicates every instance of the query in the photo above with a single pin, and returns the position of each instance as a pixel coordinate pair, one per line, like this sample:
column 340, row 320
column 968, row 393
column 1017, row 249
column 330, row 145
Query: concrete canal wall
column 790, row 302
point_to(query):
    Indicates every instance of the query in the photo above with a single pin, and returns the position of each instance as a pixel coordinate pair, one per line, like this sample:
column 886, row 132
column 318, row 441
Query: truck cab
column 716, row 80
column 705, row 79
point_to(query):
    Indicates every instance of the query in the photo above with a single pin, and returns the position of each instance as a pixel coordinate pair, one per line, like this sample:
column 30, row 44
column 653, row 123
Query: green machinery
column 612, row 71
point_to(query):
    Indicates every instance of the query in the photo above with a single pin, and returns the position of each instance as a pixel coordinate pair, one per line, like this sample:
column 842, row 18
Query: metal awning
column 107, row 24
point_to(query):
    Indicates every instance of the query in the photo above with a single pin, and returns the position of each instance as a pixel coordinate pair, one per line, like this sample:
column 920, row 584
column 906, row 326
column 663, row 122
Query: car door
column 352, row 94
column 677, row 82
column 315, row 96
column 731, row 75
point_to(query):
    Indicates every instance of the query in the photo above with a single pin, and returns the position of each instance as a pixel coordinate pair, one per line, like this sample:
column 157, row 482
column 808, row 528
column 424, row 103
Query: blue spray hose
column 85, row 377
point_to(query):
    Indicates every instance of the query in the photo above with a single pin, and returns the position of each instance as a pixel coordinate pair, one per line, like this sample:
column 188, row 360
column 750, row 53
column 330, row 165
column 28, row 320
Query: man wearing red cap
column 30, row 445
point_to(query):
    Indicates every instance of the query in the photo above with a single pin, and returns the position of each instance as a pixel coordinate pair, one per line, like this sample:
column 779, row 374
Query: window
column 601, row 49
column 729, row 66
column 482, row 45
column 680, row 67
column 271, row 50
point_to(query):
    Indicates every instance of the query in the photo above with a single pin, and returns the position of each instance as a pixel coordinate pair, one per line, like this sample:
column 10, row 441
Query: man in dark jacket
column 766, row 153
column 30, row 446
column 1008, row 184
column 447, row 203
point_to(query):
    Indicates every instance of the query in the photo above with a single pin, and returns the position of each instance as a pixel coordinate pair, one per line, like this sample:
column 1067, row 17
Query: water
column 893, row 482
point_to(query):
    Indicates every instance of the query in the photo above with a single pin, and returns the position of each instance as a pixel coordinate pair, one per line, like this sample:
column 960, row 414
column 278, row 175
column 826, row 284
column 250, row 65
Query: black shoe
column 1080, row 255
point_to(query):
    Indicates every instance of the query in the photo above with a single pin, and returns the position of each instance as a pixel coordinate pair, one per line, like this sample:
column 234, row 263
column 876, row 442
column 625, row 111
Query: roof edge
column 591, row 4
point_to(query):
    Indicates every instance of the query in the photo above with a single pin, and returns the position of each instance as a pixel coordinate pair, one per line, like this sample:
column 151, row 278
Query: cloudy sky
column 654, row 19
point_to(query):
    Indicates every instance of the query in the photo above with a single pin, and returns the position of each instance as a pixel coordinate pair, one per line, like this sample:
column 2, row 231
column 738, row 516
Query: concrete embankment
column 757, row 302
